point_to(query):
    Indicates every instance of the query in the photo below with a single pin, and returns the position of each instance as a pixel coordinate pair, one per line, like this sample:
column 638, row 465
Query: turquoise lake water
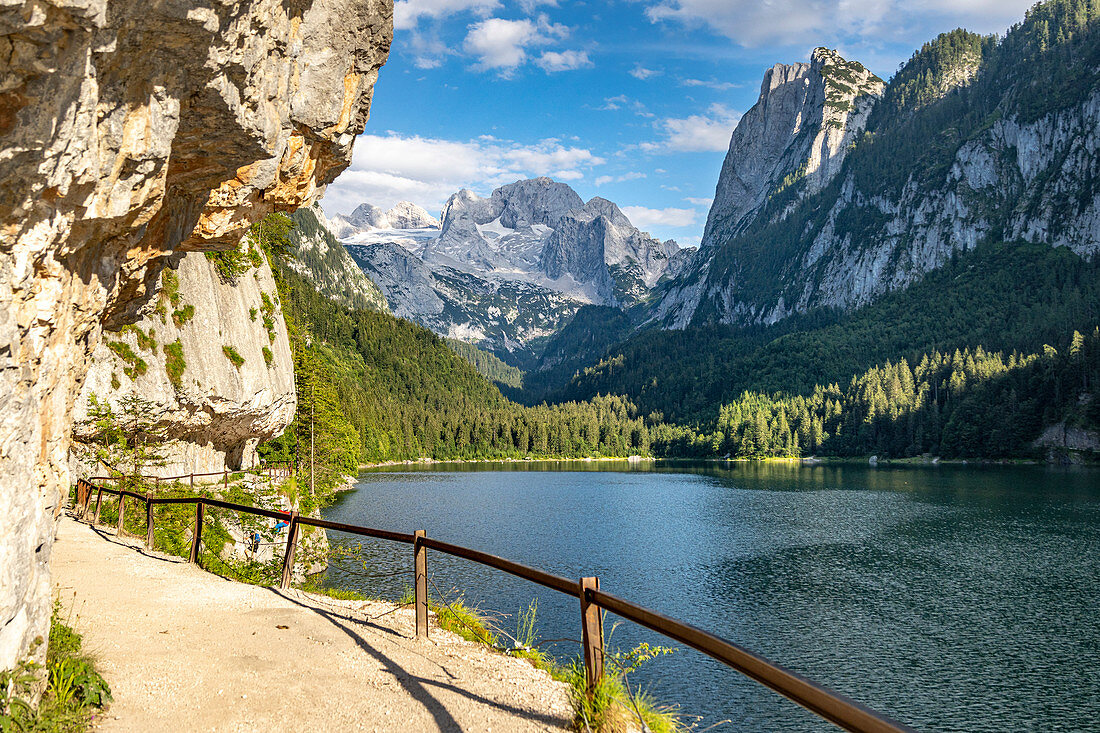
column 951, row 598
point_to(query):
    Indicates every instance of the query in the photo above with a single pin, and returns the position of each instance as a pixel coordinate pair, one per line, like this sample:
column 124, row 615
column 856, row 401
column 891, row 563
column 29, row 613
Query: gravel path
column 186, row 650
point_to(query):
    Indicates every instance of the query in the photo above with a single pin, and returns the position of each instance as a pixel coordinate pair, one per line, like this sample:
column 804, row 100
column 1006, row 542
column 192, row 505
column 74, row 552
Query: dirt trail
column 186, row 650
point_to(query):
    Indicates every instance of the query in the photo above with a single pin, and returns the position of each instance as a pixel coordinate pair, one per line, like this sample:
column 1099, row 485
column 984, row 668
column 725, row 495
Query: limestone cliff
column 793, row 141
column 213, row 359
column 975, row 139
column 800, row 129
column 131, row 131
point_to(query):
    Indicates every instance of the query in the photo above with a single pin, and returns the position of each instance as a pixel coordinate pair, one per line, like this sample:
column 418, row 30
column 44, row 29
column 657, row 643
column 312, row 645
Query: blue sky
column 632, row 100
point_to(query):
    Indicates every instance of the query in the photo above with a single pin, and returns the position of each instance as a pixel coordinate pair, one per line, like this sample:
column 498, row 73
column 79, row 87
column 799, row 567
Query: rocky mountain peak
column 403, row 215
column 406, row 215
column 535, row 201
column 598, row 206
column 796, row 134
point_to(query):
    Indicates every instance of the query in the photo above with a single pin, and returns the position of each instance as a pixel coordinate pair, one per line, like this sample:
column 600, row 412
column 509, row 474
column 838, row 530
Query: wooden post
column 98, row 504
column 87, row 497
column 226, row 479
column 591, row 635
column 291, row 546
column 197, row 536
column 148, row 520
column 82, row 496
column 192, row 480
column 420, row 562
column 121, row 513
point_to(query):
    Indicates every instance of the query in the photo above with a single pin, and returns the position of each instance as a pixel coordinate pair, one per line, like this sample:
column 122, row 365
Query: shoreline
column 869, row 461
column 437, row 462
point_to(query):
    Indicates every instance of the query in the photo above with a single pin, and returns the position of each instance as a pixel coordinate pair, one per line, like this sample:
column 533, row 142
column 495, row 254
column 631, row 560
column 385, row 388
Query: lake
column 951, row 598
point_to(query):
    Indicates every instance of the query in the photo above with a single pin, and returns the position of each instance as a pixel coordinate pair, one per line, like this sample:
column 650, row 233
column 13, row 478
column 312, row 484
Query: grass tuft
column 75, row 691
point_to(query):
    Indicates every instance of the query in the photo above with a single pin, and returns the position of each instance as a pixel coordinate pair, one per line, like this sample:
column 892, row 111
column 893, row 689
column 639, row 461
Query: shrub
column 183, row 315
column 136, row 366
column 233, row 355
column 174, row 363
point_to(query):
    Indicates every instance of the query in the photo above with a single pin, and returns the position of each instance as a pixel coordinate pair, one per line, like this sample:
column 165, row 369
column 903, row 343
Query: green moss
column 252, row 314
column 233, row 355
column 174, row 363
column 170, row 286
column 115, row 384
column 267, row 308
column 183, row 315
column 144, row 341
column 269, row 358
column 136, row 366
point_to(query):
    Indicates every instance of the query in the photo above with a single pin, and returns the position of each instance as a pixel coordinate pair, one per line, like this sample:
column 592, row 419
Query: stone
column 132, row 131
column 216, row 413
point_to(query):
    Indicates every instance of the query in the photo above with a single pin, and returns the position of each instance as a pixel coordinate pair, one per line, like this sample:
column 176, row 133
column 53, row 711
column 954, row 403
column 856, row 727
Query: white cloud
column 504, row 45
column 699, row 202
column 804, row 22
column 500, row 44
column 640, row 72
column 709, row 132
column 611, row 104
column 643, row 217
column 389, row 168
column 552, row 61
column 710, row 83
column 632, row 176
column 407, row 13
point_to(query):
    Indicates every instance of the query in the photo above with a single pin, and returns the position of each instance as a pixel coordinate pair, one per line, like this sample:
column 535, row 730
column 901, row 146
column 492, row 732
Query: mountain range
column 838, row 188
column 929, row 241
column 507, row 271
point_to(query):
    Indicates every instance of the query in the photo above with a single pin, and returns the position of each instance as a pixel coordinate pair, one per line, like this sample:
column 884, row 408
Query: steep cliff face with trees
column 974, row 140
column 211, row 361
column 133, row 131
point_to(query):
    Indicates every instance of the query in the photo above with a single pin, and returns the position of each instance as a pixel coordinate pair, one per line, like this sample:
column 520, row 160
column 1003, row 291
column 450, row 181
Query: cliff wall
column 131, row 131
column 212, row 358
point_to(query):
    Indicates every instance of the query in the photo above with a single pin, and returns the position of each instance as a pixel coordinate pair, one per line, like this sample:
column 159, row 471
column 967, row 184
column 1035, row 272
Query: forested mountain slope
column 1002, row 297
column 976, row 139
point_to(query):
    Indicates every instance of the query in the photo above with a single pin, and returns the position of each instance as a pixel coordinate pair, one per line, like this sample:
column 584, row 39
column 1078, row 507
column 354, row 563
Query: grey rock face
column 598, row 245
column 529, row 256
column 130, row 131
column 406, row 215
column 321, row 258
column 801, row 126
column 218, row 413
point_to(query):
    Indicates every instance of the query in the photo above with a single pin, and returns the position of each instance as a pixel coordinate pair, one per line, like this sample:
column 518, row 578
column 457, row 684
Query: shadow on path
column 415, row 685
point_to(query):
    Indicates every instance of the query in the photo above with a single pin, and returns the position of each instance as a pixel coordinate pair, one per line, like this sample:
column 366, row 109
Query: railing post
column 197, row 536
column 121, row 512
column 591, row 635
column 420, row 563
column 192, row 480
column 148, row 520
column 98, row 504
column 291, row 546
column 82, row 496
column 226, row 479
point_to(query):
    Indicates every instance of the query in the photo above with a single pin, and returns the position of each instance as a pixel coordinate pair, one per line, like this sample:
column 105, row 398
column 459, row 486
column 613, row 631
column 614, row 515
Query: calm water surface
column 951, row 598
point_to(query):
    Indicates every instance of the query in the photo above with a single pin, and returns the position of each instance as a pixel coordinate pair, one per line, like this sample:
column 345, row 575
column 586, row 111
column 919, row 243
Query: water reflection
column 953, row 598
